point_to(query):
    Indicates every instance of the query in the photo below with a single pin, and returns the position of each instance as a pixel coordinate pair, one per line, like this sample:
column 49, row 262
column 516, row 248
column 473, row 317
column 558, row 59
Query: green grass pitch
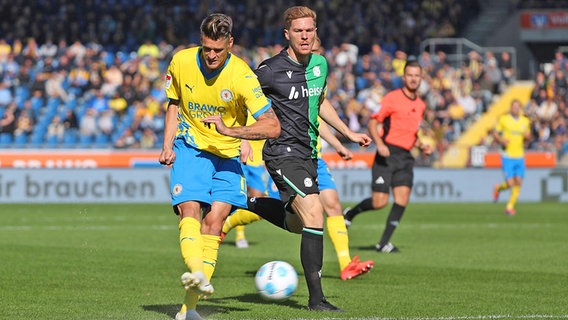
column 122, row 261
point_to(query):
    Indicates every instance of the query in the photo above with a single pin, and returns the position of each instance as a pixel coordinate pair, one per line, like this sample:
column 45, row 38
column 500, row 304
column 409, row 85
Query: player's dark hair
column 412, row 63
column 298, row 12
column 217, row 26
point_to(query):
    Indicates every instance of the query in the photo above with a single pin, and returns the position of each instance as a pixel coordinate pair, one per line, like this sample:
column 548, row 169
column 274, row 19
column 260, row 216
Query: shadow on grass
column 225, row 305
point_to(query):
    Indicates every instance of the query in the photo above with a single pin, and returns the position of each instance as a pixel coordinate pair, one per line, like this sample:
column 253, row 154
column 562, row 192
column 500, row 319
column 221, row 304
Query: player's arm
column 329, row 115
column 267, row 126
column 168, row 156
column 329, row 137
column 374, row 127
column 498, row 135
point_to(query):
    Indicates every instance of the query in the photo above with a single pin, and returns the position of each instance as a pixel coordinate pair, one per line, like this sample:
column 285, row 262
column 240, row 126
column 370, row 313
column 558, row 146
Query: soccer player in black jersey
column 295, row 81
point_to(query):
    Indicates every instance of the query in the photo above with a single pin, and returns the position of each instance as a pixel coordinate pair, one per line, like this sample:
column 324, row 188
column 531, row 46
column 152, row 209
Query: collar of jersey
column 213, row 74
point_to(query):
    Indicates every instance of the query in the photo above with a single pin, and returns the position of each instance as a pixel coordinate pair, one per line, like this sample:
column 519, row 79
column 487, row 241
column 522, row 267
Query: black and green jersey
column 296, row 91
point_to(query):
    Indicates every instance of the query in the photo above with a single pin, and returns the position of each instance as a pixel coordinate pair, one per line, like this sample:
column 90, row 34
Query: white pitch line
column 463, row 226
column 86, row 228
column 479, row 317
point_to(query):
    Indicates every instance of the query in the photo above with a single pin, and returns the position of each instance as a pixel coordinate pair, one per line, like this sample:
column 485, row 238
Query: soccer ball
column 276, row 280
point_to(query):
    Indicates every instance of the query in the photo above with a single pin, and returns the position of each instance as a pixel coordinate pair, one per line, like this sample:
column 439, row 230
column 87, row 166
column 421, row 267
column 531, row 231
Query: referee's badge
column 226, row 95
column 308, row 182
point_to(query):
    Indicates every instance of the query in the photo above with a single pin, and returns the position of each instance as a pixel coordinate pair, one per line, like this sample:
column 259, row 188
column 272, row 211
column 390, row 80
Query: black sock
column 392, row 222
column 311, row 255
column 270, row 209
column 364, row 205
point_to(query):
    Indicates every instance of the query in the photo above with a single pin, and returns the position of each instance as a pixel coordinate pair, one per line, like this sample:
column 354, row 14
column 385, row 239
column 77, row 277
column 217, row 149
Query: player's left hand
column 362, row 139
column 217, row 121
column 246, row 152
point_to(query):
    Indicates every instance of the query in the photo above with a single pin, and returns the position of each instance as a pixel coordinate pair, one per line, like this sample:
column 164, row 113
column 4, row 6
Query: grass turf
column 122, row 261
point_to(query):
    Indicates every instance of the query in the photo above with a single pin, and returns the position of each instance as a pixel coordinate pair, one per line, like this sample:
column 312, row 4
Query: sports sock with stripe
column 311, row 255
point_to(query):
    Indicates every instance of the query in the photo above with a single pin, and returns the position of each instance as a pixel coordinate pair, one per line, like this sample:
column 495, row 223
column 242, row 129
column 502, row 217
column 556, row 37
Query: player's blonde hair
column 298, row 12
column 217, row 26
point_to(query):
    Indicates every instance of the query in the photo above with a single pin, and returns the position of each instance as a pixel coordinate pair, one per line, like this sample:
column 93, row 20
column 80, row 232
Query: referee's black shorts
column 293, row 176
column 393, row 171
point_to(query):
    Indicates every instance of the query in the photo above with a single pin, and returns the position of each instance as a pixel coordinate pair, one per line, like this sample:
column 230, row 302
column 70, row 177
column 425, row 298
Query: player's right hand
column 167, row 157
column 383, row 150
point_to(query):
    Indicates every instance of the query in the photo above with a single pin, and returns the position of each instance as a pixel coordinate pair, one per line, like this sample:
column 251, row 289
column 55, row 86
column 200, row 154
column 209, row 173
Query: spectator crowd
column 101, row 84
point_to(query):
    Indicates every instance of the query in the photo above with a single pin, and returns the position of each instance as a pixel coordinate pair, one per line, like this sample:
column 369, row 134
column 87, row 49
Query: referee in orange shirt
column 394, row 129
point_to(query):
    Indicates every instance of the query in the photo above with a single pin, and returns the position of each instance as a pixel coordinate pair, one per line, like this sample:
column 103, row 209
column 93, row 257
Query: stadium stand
column 95, row 79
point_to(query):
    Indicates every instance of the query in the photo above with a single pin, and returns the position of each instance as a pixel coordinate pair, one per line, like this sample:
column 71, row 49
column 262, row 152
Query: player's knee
column 293, row 223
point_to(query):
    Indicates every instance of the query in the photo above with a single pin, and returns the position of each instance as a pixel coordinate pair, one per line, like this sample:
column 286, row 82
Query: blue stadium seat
column 37, row 138
column 20, row 140
column 101, row 140
column 5, row 139
column 70, row 138
column 51, row 141
column 21, row 94
column 85, row 141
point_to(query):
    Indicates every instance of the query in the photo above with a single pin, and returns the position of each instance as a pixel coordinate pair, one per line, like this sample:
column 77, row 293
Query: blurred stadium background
column 87, row 77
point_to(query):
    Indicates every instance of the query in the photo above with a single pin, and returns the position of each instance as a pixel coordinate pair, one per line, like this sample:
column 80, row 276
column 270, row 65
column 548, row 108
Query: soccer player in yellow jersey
column 513, row 129
column 210, row 93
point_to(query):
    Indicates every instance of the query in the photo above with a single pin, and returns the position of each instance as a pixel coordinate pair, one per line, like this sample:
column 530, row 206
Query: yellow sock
column 240, row 233
column 191, row 244
column 190, row 301
column 503, row 186
column 515, row 190
column 338, row 234
column 210, row 252
column 240, row 217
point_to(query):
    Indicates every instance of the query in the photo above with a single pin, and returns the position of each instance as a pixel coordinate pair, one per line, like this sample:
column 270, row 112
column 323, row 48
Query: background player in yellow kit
column 512, row 130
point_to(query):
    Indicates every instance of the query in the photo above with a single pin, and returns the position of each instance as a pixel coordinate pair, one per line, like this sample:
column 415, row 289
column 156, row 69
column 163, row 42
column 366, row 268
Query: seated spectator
column 78, row 78
column 148, row 49
column 5, row 50
column 126, row 140
column 148, row 140
column 8, row 121
column 55, row 129
column 112, row 79
column 70, row 120
column 507, row 68
column 88, row 127
column 468, row 104
column 5, row 94
column 547, row 109
column 99, row 102
column 118, row 104
column 24, row 124
column 54, row 85
column 105, row 122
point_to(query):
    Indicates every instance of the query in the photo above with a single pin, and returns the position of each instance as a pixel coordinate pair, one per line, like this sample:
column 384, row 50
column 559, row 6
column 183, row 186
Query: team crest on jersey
column 226, row 95
column 168, row 81
column 317, row 71
column 177, row 189
column 308, row 182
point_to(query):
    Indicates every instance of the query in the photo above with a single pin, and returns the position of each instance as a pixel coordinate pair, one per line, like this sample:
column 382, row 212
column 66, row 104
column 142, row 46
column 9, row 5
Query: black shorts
column 294, row 176
column 393, row 171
